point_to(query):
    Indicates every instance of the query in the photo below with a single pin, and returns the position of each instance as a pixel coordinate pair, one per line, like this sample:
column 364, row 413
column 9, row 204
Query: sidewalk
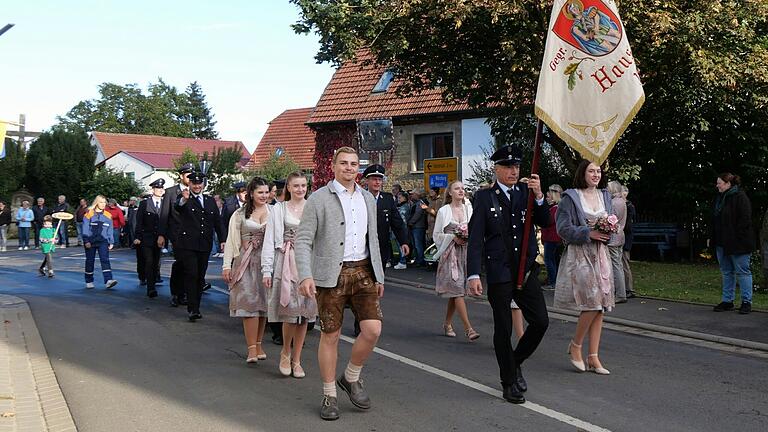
column 683, row 319
column 30, row 397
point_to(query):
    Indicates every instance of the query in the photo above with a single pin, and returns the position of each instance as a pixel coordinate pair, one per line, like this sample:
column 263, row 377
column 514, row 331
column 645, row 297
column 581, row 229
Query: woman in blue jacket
column 98, row 237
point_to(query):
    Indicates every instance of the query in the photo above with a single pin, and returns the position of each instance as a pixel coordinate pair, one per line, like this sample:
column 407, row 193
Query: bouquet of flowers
column 461, row 231
column 607, row 224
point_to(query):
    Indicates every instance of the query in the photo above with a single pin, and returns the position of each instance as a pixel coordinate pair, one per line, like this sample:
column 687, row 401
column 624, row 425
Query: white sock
column 329, row 389
column 352, row 373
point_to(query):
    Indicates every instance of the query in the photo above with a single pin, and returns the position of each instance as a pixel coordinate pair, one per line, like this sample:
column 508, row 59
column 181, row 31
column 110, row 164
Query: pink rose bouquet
column 607, row 224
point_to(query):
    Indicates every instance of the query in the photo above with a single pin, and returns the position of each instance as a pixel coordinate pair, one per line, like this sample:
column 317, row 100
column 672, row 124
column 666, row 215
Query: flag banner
column 589, row 88
column 3, row 127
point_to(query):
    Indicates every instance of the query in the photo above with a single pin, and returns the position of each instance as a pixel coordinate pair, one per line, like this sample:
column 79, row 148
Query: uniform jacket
column 319, row 241
column 231, row 204
column 387, row 217
column 148, row 221
column 197, row 223
column 169, row 216
column 97, row 227
column 496, row 234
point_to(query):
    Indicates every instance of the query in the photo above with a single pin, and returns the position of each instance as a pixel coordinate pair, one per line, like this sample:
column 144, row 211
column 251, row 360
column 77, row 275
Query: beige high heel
column 252, row 359
column 448, row 330
column 298, row 371
column 472, row 335
column 285, row 364
column 579, row 365
column 261, row 356
column 598, row 369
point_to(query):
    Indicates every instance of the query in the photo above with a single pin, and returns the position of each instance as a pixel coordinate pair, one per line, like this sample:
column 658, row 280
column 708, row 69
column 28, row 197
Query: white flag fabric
column 589, row 89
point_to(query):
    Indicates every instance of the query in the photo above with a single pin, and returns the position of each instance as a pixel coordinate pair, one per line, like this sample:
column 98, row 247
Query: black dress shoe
column 152, row 293
column 194, row 316
column 357, row 394
column 143, row 282
column 183, row 301
column 521, row 384
column 206, row 287
column 512, row 393
column 329, row 410
column 174, row 301
column 723, row 306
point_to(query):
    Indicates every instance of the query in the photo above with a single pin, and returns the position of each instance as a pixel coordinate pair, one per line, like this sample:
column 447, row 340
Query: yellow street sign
column 439, row 172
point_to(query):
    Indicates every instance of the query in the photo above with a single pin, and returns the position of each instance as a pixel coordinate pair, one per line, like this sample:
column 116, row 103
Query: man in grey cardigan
column 338, row 263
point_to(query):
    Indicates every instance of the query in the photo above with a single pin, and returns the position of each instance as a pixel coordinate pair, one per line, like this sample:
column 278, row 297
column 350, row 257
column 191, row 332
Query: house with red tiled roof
column 149, row 157
column 288, row 134
column 423, row 125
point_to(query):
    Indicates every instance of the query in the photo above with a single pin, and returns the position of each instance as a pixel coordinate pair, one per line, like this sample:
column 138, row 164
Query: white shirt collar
column 504, row 188
column 341, row 189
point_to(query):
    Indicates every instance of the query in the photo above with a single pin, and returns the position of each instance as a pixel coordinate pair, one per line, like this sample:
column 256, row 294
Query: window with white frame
column 432, row 146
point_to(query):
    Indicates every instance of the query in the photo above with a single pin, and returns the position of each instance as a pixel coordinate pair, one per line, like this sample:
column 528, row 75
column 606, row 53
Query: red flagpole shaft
column 529, row 211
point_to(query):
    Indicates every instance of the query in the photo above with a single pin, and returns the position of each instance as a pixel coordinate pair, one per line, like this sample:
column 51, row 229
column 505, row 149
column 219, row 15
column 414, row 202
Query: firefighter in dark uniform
column 198, row 219
column 387, row 217
column 148, row 217
column 495, row 239
column 169, row 223
column 231, row 204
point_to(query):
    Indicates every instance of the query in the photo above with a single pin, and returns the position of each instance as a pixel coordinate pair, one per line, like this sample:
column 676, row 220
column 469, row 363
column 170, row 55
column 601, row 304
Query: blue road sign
column 438, row 180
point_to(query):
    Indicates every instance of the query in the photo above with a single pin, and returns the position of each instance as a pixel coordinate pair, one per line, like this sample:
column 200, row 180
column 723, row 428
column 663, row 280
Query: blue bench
column 662, row 235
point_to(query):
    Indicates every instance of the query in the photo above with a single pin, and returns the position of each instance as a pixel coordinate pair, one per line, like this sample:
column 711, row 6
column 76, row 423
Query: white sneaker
column 27, row 248
column 89, row 285
column 400, row 266
column 110, row 283
column 21, row 247
column 63, row 246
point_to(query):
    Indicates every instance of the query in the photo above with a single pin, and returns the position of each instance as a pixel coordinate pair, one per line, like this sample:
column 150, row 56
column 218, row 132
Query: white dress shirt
column 356, row 222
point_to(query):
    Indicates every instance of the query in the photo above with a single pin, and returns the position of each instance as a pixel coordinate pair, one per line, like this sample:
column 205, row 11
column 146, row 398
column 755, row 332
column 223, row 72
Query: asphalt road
column 128, row 363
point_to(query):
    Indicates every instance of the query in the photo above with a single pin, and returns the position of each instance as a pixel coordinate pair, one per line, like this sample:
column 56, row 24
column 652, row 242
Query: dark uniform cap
column 280, row 184
column 187, row 168
column 159, row 183
column 197, row 177
column 507, row 155
column 374, row 170
column 238, row 185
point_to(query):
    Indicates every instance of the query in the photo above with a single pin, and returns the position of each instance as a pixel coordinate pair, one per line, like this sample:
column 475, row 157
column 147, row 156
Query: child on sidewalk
column 48, row 244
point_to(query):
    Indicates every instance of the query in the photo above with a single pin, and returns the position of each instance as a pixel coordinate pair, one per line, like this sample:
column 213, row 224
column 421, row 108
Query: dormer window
column 384, row 82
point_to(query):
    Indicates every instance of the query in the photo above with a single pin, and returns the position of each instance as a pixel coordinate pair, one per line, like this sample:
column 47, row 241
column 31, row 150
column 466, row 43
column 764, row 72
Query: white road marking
column 556, row 415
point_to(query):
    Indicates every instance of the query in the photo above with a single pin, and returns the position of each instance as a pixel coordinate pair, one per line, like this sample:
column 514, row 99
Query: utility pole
column 6, row 28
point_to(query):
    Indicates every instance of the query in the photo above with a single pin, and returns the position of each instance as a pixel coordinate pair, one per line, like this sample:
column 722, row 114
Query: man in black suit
column 198, row 219
column 148, row 217
column 40, row 211
column 495, row 237
column 387, row 215
column 169, row 224
column 231, row 204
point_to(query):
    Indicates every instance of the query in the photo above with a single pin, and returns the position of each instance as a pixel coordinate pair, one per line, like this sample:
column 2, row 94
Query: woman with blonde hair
column 278, row 265
column 241, row 269
column 450, row 235
column 616, row 245
column 98, row 237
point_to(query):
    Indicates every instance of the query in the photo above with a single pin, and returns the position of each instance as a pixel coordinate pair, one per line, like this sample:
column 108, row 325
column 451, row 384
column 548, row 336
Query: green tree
column 162, row 110
column 274, row 168
column 224, row 170
column 200, row 115
column 702, row 64
column 12, row 168
column 59, row 162
column 111, row 184
column 187, row 156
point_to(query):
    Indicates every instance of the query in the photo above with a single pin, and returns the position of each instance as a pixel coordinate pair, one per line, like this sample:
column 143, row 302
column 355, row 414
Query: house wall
column 403, row 170
column 143, row 173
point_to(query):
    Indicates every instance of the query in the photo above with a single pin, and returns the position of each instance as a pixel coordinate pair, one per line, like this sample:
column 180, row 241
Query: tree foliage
column 111, row 184
column 12, row 169
column 702, row 63
column 274, row 168
column 224, row 170
column 59, row 162
column 163, row 110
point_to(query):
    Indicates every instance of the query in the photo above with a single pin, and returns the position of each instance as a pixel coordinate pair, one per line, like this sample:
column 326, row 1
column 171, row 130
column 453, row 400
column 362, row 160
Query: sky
column 249, row 62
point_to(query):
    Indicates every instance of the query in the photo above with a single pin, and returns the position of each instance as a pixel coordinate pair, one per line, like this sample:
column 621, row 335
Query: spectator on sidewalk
column 435, row 203
column 629, row 283
column 25, row 217
column 47, row 246
column 403, row 208
column 733, row 239
column 118, row 221
column 40, row 211
column 763, row 248
column 616, row 245
column 553, row 244
column 417, row 224
column 396, row 189
column 5, row 222
column 79, row 213
column 62, row 206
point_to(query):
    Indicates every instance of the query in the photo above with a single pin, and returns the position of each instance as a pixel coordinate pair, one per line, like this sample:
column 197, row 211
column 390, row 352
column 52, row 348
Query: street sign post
column 439, row 172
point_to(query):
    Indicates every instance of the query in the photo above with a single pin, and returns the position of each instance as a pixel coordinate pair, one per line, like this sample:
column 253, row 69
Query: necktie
column 512, row 196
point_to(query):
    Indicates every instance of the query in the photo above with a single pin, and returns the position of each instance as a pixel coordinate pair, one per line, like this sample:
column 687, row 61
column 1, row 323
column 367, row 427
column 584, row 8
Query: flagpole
column 529, row 212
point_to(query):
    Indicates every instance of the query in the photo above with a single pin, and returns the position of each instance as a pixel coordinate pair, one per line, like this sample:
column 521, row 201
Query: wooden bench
column 662, row 235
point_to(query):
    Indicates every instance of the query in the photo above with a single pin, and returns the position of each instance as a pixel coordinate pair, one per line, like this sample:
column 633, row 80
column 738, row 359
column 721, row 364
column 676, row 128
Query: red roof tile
column 349, row 97
column 289, row 132
column 112, row 143
column 155, row 160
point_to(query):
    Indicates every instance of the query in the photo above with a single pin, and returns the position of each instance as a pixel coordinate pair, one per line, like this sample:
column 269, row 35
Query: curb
column 34, row 400
column 740, row 343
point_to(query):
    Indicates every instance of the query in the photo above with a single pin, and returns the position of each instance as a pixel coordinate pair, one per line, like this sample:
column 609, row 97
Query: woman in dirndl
column 242, row 266
column 450, row 236
column 278, row 265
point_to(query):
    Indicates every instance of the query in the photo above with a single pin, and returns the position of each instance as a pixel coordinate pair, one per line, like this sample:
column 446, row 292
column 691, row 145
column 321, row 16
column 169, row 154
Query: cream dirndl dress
column 247, row 294
column 286, row 304
column 586, row 283
column 451, row 277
